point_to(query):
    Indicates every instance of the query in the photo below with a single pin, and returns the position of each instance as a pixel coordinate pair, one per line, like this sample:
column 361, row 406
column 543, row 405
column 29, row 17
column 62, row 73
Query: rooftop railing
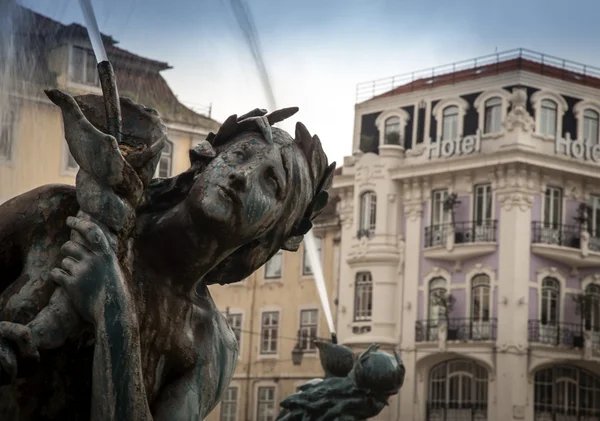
column 481, row 66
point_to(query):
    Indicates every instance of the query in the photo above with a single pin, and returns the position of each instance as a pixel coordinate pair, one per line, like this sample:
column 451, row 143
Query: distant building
column 479, row 180
column 268, row 311
column 42, row 53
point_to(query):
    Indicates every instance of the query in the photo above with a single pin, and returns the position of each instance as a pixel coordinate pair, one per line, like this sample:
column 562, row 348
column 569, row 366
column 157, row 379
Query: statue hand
column 15, row 335
column 90, row 273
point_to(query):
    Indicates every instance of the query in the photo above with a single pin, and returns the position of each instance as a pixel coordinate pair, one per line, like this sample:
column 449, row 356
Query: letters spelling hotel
column 470, row 217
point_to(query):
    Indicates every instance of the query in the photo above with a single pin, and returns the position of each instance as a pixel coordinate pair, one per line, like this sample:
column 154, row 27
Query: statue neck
column 170, row 244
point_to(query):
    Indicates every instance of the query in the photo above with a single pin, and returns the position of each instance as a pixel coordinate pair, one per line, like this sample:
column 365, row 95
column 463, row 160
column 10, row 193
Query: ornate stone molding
column 520, row 200
column 518, row 115
column 413, row 211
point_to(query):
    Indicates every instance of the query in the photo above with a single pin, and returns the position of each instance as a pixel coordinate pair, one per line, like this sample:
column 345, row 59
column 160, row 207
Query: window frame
column 311, row 328
column 561, row 107
column 89, row 55
column 270, row 261
column 487, row 285
column 487, row 206
column 305, row 260
column 13, row 109
column 367, row 217
column 168, row 156
column 380, row 123
column 557, row 290
column 437, row 113
column 549, row 195
column 579, row 112
column 551, row 379
column 270, row 402
column 363, row 280
column 226, row 402
column 435, row 203
column 271, row 327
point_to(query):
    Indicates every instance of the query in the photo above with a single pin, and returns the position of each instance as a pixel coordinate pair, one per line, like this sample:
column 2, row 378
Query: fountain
column 105, row 309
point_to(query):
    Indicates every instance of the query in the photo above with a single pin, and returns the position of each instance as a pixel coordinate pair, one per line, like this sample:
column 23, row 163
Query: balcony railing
column 563, row 334
column 464, row 232
column 459, row 329
column 562, row 235
column 556, row 234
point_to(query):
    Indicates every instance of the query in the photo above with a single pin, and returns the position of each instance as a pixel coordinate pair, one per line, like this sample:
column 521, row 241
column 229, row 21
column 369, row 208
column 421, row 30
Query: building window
column 363, row 296
column 548, row 117
column 594, row 216
column 269, row 332
column 306, row 268
column 458, row 390
column 591, row 119
column 553, row 201
column 308, row 329
column 273, row 266
column 83, row 66
column 450, row 123
column 480, row 298
column 266, row 404
column 493, row 115
column 550, row 300
column 368, row 213
column 229, row 405
column 438, row 215
column 592, row 318
column 483, row 203
column 392, row 131
column 437, row 290
column 566, row 392
column 7, row 134
column 235, row 321
column 164, row 168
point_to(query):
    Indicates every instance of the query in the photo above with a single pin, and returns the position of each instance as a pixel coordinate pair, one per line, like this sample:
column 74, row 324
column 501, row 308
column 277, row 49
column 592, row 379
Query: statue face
column 244, row 190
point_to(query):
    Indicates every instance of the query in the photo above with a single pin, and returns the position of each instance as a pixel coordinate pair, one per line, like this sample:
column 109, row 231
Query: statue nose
column 238, row 181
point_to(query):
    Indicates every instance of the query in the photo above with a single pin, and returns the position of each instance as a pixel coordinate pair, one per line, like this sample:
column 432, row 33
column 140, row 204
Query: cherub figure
column 360, row 395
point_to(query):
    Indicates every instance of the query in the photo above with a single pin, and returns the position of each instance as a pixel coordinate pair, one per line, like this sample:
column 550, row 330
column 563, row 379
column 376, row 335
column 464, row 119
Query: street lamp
column 297, row 352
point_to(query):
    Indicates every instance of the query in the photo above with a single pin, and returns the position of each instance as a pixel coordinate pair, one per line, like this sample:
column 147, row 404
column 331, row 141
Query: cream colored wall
column 289, row 295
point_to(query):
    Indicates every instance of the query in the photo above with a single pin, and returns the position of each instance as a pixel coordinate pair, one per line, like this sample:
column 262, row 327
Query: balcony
column 570, row 335
column 460, row 241
column 567, row 244
column 459, row 329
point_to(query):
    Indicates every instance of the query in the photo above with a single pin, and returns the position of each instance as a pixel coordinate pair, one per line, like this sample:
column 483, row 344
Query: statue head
column 254, row 186
column 379, row 372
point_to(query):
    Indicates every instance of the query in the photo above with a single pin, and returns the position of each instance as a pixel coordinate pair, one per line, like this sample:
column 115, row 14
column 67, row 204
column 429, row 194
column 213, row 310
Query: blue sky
column 317, row 51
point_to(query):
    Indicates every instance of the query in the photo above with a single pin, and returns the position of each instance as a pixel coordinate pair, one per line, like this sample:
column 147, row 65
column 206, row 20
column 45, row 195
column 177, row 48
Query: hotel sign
column 577, row 149
column 462, row 146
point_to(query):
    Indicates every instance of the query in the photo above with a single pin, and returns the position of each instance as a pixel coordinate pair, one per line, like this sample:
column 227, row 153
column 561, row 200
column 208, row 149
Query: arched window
column 368, row 213
column 458, row 390
column 592, row 318
column 493, row 115
column 164, row 167
column 567, row 393
column 363, row 296
column 591, row 119
column 437, row 289
column 550, row 301
column 392, row 131
column 548, row 113
column 450, row 123
column 480, row 298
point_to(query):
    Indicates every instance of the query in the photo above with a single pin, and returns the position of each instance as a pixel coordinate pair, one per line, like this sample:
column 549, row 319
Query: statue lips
column 230, row 194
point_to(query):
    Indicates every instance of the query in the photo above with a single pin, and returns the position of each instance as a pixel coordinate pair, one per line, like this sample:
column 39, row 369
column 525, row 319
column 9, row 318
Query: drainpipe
column 249, row 368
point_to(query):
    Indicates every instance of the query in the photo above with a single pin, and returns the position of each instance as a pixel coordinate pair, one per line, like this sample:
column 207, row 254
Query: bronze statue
column 151, row 338
column 351, row 390
column 104, row 306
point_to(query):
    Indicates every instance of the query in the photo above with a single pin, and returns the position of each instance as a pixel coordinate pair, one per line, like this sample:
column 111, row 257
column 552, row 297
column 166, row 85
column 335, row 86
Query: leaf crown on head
column 321, row 172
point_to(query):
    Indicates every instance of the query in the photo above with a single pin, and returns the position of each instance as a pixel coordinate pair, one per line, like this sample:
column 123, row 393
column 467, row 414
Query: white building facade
column 470, row 240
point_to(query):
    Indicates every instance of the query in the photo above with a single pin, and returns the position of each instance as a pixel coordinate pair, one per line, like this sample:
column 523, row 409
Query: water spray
column 246, row 24
column 106, row 72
